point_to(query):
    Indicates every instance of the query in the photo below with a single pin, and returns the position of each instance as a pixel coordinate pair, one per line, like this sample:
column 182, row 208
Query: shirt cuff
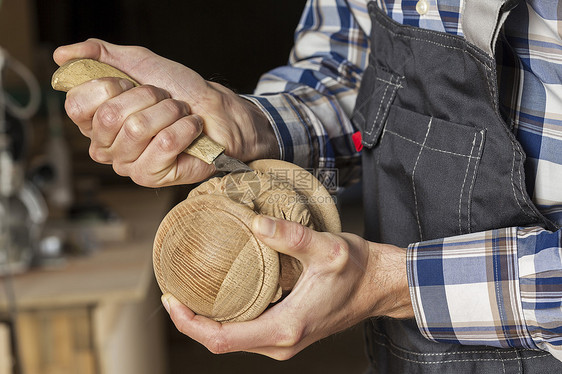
column 465, row 289
column 291, row 127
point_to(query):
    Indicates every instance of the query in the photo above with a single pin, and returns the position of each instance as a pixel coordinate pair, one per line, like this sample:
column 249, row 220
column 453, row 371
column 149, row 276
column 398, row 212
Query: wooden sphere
column 206, row 255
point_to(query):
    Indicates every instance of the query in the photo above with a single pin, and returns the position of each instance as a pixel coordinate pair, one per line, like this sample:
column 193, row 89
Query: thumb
column 92, row 48
column 291, row 238
column 141, row 64
column 129, row 59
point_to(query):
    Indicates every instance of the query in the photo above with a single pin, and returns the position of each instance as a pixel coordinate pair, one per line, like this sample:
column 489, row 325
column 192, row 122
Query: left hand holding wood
column 345, row 280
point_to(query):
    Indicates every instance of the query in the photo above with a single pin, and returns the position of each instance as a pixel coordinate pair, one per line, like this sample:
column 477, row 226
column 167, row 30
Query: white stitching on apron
column 397, row 85
column 392, row 94
column 430, row 148
column 474, row 179
column 457, row 360
column 413, row 178
column 463, row 183
column 373, row 124
column 501, row 360
column 472, row 52
column 393, row 345
column 490, row 77
column 387, row 105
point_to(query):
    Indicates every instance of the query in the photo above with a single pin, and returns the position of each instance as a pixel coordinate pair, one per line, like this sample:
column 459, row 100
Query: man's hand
column 143, row 131
column 345, row 280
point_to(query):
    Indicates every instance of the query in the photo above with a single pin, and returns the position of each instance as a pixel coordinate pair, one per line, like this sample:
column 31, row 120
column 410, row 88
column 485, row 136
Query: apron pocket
column 376, row 94
column 434, row 164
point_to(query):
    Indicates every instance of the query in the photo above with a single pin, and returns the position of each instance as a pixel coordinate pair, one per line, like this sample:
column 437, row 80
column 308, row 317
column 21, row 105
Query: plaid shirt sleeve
column 500, row 287
column 310, row 100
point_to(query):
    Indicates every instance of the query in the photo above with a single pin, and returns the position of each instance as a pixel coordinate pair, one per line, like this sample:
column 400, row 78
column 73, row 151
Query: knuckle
column 283, row 355
column 120, row 169
column 108, row 115
column 140, row 179
column 218, row 344
column 73, row 108
column 192, row 126
column 181, row 324
column 109, row 88
column 176, row 107
column 142, row 50
column 289, row 336
column 299, row 236
column 166, row 141
column 141, row 176
column 151, row 94
column 135, row 126
column 338, row 251
column 80, row 104
column 98, row 154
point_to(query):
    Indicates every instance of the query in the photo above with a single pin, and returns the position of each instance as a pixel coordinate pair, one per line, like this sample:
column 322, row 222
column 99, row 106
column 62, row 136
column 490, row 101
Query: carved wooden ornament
column 206, row 255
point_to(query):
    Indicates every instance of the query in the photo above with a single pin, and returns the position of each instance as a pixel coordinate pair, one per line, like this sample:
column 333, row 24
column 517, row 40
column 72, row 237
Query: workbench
column 101, row 312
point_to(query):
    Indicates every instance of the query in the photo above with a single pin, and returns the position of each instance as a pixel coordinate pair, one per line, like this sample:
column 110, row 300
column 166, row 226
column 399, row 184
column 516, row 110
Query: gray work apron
column 438, row 161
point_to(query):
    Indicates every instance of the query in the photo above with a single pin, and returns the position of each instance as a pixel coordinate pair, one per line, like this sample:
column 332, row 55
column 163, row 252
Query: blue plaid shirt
column 309, row 103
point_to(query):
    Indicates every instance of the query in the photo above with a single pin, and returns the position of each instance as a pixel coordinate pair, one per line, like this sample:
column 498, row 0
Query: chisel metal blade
column 230, row 164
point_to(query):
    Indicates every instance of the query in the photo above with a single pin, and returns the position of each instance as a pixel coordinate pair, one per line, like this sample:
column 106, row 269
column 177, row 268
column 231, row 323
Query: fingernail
column 264, row 226
column 198, row 118
column 126, row 84
column 165, row 302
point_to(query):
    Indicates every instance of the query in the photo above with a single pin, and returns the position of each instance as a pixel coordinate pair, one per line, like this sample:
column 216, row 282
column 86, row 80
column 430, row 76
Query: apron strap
column 482, row 21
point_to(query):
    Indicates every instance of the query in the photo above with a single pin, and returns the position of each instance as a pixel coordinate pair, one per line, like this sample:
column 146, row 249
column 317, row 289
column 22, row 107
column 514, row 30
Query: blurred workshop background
column 77, row 291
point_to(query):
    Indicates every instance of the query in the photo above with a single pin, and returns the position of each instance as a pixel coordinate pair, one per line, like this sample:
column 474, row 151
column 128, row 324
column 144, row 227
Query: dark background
column 231, row 42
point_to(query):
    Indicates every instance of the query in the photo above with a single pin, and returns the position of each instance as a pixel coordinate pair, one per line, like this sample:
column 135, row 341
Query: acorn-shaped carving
column 206, row 255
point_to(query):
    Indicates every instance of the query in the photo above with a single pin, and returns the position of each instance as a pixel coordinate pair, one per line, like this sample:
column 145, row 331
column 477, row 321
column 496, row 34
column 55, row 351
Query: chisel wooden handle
column 78, row 71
